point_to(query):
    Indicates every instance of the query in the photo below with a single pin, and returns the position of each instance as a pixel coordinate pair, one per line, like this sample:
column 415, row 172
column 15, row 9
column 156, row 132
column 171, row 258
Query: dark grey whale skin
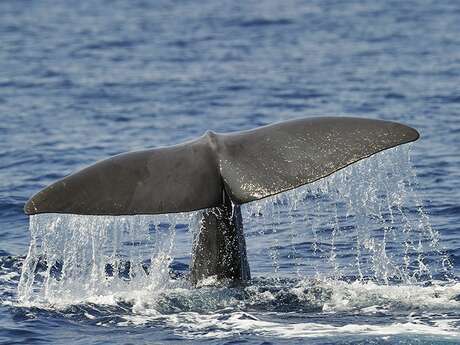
column 219, row 172
column 219, row 247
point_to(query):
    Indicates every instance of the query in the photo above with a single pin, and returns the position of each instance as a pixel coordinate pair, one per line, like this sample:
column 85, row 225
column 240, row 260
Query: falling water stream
column 358, row 239
column 368, row 211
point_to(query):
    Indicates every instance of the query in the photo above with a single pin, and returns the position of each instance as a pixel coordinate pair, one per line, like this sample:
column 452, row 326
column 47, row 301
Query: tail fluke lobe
column 268, row 160
column 249, row 165
column 165, row 180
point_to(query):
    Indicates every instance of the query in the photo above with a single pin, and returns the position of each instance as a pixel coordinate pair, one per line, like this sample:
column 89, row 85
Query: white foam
column 418, row 310
column 197, row 325
column 370, row 297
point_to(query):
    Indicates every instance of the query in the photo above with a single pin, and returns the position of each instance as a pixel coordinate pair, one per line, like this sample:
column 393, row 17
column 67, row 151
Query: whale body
column 217, row 173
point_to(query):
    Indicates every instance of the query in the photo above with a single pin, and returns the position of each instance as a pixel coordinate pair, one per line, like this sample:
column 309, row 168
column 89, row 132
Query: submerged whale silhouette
column 217, row 173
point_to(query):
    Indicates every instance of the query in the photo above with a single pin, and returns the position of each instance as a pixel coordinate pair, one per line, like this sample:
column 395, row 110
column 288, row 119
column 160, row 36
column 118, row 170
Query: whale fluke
column 248, row 165
column 218, row 172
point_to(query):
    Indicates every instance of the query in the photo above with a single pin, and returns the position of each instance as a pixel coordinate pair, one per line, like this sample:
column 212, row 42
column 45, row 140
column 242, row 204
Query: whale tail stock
column 218, row 170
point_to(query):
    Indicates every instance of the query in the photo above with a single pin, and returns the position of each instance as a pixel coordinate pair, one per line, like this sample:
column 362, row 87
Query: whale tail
column 248, row 165
column 218, row 172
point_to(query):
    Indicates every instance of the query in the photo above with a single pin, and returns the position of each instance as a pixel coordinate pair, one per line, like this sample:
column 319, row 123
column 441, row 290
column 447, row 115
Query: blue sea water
column 86, row 80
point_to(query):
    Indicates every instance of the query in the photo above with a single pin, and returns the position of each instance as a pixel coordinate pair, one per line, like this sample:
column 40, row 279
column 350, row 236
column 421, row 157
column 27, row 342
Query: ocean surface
column 370, row 255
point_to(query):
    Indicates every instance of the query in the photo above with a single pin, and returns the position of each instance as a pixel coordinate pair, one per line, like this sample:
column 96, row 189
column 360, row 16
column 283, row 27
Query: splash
column 362, row 223
column 74, row 258
column 261, row 308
